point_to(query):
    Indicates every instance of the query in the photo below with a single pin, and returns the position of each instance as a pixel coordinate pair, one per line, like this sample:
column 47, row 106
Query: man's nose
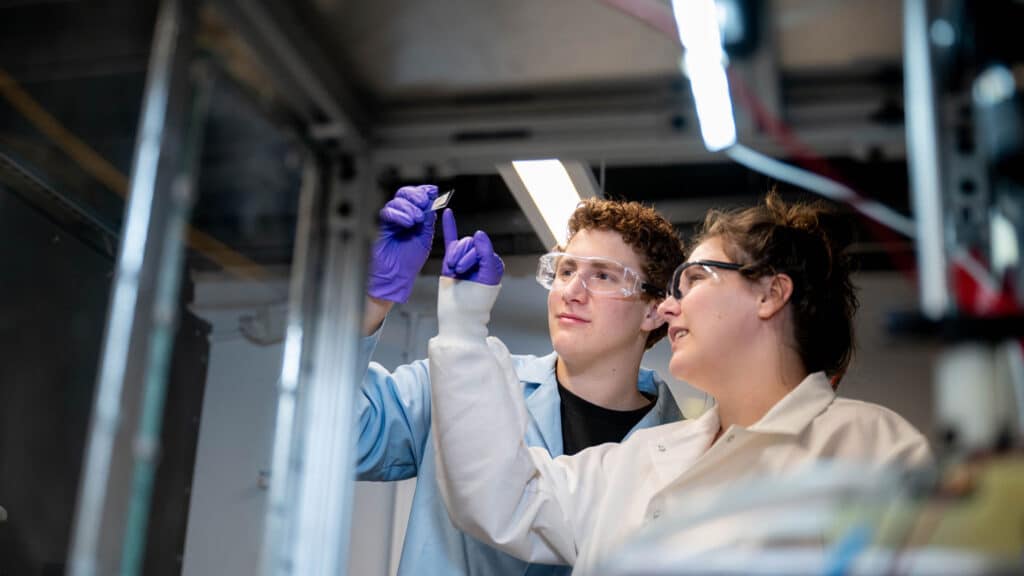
column 574, row 288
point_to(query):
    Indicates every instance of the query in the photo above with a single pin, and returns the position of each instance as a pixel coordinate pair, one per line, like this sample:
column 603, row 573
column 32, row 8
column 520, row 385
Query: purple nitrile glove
column 403, row 243
column 471, row 258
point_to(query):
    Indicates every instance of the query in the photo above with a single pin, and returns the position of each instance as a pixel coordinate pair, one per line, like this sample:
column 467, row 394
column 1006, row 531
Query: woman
column 760, row 317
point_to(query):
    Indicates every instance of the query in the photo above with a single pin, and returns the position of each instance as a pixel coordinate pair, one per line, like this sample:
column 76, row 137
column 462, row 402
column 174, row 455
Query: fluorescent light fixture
column 548, row 192
column 698, row 25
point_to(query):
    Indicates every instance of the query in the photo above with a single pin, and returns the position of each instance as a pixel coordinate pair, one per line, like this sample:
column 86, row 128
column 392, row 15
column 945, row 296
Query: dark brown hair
column 643, row 229
column 805, row 241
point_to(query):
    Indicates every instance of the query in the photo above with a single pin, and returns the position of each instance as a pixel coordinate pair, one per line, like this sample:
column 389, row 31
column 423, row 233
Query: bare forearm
column 374, row 313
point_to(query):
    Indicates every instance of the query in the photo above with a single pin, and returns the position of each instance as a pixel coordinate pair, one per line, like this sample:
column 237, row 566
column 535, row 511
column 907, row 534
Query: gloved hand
column 403, row 243
column 471, row 258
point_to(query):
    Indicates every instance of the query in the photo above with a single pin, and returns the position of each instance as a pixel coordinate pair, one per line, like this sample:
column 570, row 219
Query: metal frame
column 146, row 444
column 300, row 70
column 285, row 468
column 968, row 194
column 923, row 157
column 321, row 530
column 308, row 521
column 313, row 461
column 134, row 316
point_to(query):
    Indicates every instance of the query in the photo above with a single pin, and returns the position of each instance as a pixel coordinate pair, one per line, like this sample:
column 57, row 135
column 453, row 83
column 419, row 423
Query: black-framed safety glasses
column 688, row 274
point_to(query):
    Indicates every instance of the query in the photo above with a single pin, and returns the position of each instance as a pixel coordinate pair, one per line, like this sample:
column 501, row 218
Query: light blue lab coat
column 395, row 443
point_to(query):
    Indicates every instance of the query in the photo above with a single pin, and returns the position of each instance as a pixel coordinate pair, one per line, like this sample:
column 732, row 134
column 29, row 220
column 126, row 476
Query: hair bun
column 818, row 219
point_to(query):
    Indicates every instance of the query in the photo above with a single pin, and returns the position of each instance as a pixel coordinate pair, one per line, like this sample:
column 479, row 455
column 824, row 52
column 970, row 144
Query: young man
column 602, row 318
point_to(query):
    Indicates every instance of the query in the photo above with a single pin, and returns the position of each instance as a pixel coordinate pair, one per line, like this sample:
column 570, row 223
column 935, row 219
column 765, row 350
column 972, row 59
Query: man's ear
column 652, row 319
column 775, row 294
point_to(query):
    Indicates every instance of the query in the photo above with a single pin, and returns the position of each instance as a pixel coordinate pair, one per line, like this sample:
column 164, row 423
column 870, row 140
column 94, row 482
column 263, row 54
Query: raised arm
column 393, row 408
column 496, row 488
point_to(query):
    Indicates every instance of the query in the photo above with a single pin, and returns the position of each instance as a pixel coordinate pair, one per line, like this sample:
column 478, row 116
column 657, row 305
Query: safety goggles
column 688, row 274
column 600, row 276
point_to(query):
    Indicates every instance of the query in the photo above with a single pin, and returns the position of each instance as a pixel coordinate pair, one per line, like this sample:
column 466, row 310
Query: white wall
column 229, row 502
column 226, row 513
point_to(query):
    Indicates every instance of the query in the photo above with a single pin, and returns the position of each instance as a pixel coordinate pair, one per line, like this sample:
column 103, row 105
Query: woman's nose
column 669, row 306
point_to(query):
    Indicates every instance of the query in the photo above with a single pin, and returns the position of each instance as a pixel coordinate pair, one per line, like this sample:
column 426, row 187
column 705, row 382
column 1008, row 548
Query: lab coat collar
column 539, row 371
column 794, row 412
column 542, row 400
column 647, row 382
column 544, row 403
column 791, row 415
column 542, row 372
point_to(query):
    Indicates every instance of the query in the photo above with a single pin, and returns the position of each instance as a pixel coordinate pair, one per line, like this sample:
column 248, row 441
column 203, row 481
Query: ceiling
column 402, row 50
column 442, row 90
column 451, row 87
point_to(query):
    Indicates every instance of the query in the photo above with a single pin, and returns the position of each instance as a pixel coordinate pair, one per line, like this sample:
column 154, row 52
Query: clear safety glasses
column 688, row 274
column 600, row 276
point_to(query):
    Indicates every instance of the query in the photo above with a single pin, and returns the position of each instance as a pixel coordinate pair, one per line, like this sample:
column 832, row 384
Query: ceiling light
column 698, row 24
column 548, row 192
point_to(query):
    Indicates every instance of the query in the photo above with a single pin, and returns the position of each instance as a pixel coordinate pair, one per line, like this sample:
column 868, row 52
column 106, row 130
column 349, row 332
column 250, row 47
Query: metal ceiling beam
column 680, row 212
column 447, row 158
column 650, row 123
column 300, row 68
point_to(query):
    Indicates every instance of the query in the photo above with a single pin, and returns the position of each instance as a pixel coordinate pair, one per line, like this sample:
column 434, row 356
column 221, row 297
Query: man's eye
column 565, row 272
column 602, row 276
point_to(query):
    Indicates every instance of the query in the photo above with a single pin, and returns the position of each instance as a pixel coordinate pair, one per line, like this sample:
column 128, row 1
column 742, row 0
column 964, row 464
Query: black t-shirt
column 585, row 424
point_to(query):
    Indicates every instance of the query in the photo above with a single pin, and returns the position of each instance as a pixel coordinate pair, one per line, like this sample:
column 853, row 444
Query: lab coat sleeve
column 497, row 489
column 392, row 417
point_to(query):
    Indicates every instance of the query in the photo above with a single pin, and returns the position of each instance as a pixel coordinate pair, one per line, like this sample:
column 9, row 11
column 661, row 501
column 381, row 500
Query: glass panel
column 71, row 84
column 241, row 244
column 188, row 474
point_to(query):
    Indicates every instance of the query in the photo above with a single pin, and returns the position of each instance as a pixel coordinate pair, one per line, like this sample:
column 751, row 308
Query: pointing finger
column 451, row 234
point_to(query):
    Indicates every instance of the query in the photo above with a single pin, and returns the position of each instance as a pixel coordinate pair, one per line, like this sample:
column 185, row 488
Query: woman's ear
column 777, row 291
column 652, row 318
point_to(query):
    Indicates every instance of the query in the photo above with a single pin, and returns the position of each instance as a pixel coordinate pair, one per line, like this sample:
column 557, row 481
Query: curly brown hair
column 805, row 241
column 642, row 228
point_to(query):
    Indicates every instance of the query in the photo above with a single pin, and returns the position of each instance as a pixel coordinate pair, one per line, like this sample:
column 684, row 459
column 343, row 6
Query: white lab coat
column 579, row 509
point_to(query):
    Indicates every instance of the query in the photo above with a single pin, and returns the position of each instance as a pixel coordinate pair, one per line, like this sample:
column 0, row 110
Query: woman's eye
column 564, row 272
